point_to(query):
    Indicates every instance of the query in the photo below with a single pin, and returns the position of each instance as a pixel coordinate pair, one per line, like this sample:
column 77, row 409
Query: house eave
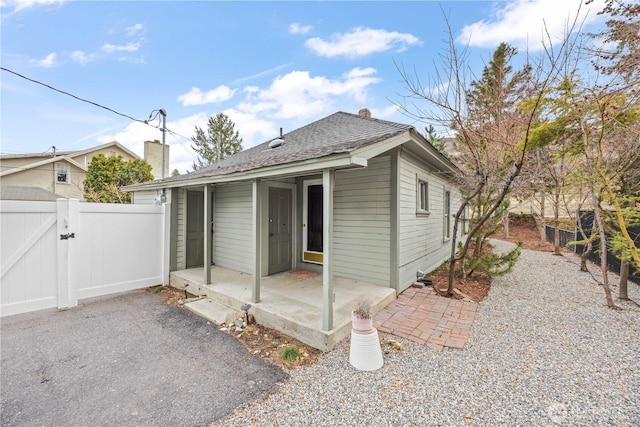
column 307, row 167
column 41, row 163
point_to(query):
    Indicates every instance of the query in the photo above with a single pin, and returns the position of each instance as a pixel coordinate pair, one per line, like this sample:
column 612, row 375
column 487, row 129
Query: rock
column 238, row 323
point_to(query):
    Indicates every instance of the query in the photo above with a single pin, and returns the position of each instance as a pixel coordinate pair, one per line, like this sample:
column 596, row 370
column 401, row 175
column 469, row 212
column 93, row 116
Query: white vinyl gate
column 54, row 253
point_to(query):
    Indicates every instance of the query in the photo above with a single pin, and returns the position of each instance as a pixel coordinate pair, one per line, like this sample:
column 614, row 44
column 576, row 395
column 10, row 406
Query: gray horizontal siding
column 147, row 197
column 233, row 229
column 361, row 218
column 421, row 236
column 181, row 231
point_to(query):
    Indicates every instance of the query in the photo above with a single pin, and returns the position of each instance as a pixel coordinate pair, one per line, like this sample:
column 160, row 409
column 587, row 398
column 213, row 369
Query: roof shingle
column 338, row 133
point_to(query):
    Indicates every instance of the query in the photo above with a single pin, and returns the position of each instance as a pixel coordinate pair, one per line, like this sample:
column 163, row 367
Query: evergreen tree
column 205, row 144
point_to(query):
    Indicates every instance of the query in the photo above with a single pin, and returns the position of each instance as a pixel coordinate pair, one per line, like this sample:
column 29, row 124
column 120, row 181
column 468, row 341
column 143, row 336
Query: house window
column 464, row 221
column 62, row 173
column 422, row 196
column 447, row 214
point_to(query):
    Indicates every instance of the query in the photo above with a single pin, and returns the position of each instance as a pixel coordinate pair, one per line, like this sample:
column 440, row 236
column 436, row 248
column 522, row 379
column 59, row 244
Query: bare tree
column 493, row 126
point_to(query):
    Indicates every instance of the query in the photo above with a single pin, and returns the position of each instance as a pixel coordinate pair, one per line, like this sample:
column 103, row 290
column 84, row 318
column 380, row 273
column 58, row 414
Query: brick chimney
column 153, row 156
column 364, row 112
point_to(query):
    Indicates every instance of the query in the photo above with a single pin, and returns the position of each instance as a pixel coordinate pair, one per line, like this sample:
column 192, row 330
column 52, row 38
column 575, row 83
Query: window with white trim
column 62, row 173
column 464, row 220
column 422, row 196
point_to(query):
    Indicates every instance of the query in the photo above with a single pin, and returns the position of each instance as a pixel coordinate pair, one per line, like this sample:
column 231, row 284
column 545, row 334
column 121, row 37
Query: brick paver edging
column 422, row 316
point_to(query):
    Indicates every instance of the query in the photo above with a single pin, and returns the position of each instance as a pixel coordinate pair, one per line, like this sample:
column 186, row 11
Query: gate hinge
column 67, row 236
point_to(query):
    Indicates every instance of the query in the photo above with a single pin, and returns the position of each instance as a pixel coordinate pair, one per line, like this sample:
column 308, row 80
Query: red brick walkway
column 422, row 316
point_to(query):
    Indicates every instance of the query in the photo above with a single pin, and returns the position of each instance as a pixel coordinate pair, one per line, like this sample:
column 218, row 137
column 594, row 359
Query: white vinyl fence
column 54, row 253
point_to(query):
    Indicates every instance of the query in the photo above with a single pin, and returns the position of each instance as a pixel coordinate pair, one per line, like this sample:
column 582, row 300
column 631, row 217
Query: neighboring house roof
column 72, row 153
column 43, row 162
column 339, row 133
column 9, row 192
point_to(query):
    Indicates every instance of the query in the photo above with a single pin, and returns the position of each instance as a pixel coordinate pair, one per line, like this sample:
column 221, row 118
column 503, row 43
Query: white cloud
column 181, row 156
column 253, row 130
column 360, row 42
column 299, row 95
column 129, row 47
column 522, row 23
column 383, row 113
column 46, row 62
column 297, row 28
column 81, row 58
column 18, row 5
column 134, row 29
column 260, row 74
column 196, row 97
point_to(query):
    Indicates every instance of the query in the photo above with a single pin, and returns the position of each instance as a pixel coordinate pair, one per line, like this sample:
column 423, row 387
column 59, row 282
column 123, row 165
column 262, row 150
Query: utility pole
column 164, row 132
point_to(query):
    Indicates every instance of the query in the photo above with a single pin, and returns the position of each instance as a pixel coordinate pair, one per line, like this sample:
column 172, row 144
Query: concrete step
column 213, row 311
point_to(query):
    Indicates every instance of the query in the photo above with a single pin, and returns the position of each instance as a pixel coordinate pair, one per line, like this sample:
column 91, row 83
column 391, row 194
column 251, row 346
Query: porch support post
column 328, row 180
column 257, row 202
column 207, row 234
column 394, row 267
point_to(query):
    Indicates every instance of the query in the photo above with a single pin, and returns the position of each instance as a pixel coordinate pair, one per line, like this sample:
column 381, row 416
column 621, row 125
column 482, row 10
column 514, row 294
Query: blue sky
column 266, row 65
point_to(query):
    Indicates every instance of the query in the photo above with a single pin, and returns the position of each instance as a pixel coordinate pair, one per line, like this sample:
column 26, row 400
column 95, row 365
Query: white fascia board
column 42, row 162
column 436, row 156
column 74, row 163
column 378, row 148
column 339, row 161
column 102, row 147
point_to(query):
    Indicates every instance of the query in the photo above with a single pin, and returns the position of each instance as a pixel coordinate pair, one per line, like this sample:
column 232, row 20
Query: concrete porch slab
column 289, row 303
column 213, row 311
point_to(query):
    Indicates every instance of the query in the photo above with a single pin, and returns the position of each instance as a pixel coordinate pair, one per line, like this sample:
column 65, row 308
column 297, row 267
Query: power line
column 146, row 122
column 76, row 97
column 186, row 147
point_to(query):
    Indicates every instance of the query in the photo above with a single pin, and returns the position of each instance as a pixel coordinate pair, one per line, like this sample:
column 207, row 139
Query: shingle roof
column 338, row 133
column 10, row 192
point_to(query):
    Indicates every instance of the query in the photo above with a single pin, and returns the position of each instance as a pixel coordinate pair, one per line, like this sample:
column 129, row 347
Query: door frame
column 264, row 230
column 200, row 191
column 277, row 191
column 305, row 204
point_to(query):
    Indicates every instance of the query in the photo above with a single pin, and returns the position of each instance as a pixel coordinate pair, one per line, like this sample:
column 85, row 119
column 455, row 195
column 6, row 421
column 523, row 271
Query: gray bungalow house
column 349, row 196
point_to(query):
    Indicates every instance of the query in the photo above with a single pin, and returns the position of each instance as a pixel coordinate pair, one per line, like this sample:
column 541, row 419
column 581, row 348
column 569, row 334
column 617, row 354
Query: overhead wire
column 77, row 97
column 146, row 122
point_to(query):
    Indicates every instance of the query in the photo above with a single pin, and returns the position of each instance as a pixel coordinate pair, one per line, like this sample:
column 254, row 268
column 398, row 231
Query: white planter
column 365, row 353
column 361, row 326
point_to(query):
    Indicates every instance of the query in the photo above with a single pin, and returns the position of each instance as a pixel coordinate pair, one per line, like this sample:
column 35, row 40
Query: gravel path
column 544, row 350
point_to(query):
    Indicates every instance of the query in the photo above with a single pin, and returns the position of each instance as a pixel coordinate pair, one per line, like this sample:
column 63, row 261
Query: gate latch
column 67, row 236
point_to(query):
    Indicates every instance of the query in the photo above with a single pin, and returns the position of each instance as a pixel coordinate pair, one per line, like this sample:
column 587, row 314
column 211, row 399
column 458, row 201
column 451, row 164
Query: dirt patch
column 525, row 230
column 476, row 288
column 263, row 342
column 521, row 229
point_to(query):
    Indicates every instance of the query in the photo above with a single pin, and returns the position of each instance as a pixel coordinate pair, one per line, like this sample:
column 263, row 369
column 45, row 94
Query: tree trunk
column 556, row 220
column 588, row 248
column 506, row 225
column 603, row 252
column 624, row 278
column 543, row 225
column 584, row 256
column 452, row 256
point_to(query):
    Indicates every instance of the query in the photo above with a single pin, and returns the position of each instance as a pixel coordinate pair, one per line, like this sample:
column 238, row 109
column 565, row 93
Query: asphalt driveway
column 126, row 360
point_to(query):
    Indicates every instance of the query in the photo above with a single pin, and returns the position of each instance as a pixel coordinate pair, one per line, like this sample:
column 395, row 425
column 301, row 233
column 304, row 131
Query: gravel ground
column 544, row 350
